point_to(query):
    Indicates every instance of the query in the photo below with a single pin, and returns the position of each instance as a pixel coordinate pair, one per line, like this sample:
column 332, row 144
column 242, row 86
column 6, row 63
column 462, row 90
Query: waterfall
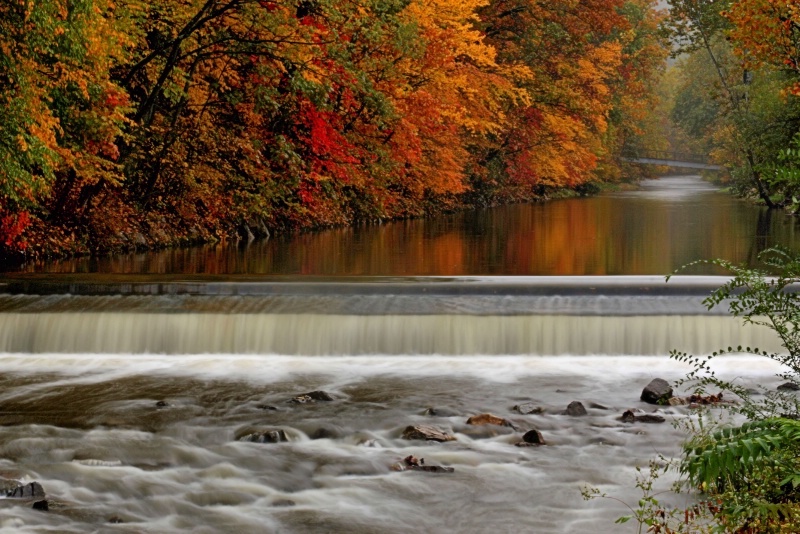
column 535, row 316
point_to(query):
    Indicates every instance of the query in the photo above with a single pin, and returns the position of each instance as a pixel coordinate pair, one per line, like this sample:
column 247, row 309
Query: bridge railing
column 667, row 155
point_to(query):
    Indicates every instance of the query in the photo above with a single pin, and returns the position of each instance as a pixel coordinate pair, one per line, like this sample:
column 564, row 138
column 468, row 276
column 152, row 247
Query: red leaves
column 12, row 226
column 104, row 148
column 330, row 152
column 310, row 113
column 269, row 6
column 113, row 98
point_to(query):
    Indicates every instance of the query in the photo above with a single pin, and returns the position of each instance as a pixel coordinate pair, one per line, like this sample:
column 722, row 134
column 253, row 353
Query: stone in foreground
column 411, row 463
column 488, row 419
column 272, row 435
column 31, row 490
column 658, row 391
column 426, row 432
column 630, row 417
column 531, row 437
column 575, row 409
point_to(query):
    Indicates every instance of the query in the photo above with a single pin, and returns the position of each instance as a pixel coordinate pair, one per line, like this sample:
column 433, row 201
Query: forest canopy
column 133, row 124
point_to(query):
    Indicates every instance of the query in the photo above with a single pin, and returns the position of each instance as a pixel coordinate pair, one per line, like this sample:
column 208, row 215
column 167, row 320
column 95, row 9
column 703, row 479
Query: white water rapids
column 128, row 418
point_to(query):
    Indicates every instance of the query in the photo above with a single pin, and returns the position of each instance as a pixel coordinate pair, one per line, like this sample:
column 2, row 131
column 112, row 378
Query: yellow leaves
column 22, row 145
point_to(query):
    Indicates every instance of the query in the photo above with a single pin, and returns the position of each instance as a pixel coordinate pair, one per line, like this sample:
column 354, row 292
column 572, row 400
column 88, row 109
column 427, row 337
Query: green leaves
column 730, row 456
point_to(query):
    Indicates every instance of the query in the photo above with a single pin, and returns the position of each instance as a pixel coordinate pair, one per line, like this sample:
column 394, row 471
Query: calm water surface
column 665, row 224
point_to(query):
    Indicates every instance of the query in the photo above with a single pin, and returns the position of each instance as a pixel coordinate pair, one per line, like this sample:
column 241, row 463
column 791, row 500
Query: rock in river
column 31, row 490
column 528, row 408
column 411, row 463
column 427, row 433
column 270, row 435
column 629, row 417
column 658, row 391
column 489, row 419
column 575, row 409
column 531, row 437
column 312, row 396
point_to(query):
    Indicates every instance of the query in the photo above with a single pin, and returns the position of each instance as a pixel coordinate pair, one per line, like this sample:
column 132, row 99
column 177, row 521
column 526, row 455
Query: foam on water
column 87, row 427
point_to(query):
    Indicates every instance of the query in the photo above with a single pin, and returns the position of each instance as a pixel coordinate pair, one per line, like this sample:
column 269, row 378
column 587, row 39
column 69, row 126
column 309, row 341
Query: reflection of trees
column 591, row 236
column 761, row 240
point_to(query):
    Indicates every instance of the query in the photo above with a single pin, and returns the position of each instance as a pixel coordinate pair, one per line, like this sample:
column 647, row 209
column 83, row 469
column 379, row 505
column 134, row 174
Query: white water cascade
column 125, row 399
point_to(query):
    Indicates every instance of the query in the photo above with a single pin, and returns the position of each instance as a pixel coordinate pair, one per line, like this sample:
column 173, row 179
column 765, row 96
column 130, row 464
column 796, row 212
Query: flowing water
column 123, row 393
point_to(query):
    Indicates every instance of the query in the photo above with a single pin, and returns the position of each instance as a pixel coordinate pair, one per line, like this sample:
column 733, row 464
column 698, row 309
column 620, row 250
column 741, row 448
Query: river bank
column 650, row 230
column 47, row 240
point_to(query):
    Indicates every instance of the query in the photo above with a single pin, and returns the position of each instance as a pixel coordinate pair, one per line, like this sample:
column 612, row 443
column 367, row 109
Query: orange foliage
column 157, row 123
column 767, row 32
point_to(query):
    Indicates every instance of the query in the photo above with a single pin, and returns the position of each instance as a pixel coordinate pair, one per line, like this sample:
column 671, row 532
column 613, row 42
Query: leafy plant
column 762, row 298
column 649, row 513
column 751, row 473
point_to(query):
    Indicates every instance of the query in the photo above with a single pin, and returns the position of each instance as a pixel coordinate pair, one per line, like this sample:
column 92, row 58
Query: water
column 652, row 231
column 123, row 392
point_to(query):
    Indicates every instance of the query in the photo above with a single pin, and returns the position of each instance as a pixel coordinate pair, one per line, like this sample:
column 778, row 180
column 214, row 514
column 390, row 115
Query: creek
column 126, row 380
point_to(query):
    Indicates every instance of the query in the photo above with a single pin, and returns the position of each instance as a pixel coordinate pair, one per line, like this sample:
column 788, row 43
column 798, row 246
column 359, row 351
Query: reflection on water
column 654, row 230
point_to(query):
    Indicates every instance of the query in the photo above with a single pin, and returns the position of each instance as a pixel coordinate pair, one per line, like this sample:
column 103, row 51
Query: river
column 664, row 224
column 127, row 381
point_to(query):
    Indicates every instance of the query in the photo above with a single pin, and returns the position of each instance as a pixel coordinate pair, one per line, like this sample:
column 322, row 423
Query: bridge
column 670, row 158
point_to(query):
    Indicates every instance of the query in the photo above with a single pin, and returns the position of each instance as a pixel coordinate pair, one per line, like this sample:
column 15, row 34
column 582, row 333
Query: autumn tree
column 732, row 88
column 132, row 124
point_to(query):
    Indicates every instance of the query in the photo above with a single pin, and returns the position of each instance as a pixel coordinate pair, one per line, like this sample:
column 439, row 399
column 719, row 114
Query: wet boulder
column 31, row 490
column 575, row 409
column 42, row 506
column 427, row 433
column 489, row 419
column 312, row 397
column 789, row 386
column 440, row 412
column 327, row 432
column 411, row 463
column 528, row 408
column 658, row 391
column 530, row 438
column 269, row 435
column 630, row 417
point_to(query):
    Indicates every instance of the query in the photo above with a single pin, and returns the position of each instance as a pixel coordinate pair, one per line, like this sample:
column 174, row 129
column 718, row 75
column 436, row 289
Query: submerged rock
column 41, row 506
column 312, row 396
column 426, row 432
column 489, row 419
column 271, row 435
column 31, row 490
column 629, row 417
column 575, row 409
column 531, row 437
column 440, row 412
column 411, row 463
column 326, row 432
column 528, row 408
column 658, row 391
